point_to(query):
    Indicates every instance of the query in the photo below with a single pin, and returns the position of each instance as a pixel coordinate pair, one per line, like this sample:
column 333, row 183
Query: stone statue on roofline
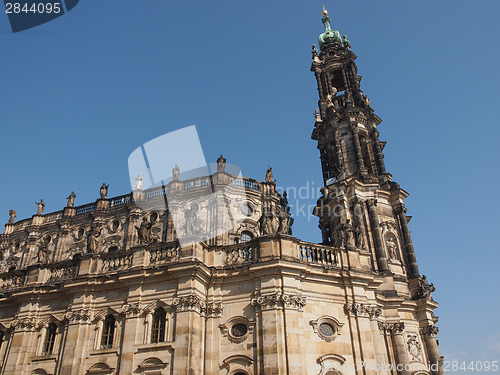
column 138, row 182
column 12, row 216
column 269, row 175
column 221, row 164
column 175, row 173
column 71, row 199
column 41, row 207
column 104, row 191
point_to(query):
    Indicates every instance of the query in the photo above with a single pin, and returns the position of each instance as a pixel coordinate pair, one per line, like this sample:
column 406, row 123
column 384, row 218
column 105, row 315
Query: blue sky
column 80, row 93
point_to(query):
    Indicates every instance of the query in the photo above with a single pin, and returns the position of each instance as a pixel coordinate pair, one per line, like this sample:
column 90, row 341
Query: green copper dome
column 329, row 36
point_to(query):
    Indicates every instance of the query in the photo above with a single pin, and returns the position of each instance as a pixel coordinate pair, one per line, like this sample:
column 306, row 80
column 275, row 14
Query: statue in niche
column 138, row 182
column 190, row 217
column 175, row 173
column 338, row 236
column 43, row 250
column 145, row 231
column 221, row 164
column 348, row 233
column 391, row 248
column 424, row 288
column 104, row 191
column 268, row 224
column 71, row 199
column 12, row 216
column 269, row 175
column 40, row 207
column 93, row 240
column 358, row 236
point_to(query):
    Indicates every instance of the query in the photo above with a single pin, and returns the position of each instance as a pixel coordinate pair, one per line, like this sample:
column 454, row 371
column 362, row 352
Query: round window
column 154, row 217
column 115, row 225
column 239, row 330
column 247, row 209
column 326, row 329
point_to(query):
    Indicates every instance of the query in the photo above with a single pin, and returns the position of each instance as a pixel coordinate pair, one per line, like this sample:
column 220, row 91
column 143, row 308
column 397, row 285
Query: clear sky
column 80, row 93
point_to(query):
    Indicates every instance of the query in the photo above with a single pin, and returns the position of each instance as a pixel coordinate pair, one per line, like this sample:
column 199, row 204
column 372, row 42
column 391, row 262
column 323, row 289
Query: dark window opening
column 108, row 332
column 158, row 327
column 50, row 339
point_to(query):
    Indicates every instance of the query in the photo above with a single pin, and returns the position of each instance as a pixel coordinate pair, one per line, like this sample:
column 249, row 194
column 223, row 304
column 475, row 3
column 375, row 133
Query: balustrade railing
column 120, row 201
column 12, row 280
column 156, row 192
column 52, row 217
column 164, row 254
column 313, row 253
column 85, row 209
column 241, row 253
column 246, row 182
column 116, row 262
column 63, row 272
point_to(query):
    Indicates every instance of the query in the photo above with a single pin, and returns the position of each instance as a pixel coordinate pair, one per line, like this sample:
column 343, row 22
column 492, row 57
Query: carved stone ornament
column 414, row 347
column 392, row 328
column 237, row 329
column 326, row 327
column 81, row 315
column 274, row 300
column 189, row 303
column 133, row 309
column 361, row 309
column 28, row 323
column 429, row 331
column 214, row 309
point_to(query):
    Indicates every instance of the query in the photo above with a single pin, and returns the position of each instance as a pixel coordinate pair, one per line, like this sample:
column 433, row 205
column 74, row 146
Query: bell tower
column 361, row 206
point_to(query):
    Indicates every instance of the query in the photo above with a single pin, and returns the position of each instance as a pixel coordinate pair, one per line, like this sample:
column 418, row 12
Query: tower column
column 378, row 151
column 377, row 236
column 357, row 148
column 400, row 211
column 429, row 334
column 396, row 330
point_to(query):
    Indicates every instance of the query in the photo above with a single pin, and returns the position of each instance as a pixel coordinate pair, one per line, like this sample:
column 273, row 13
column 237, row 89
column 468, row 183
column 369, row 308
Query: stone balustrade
column 312, row 253
column 160, row 255
column 163, row 254
column 241, row 253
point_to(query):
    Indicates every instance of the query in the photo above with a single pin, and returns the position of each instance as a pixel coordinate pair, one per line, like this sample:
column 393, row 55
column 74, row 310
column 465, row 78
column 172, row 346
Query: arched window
column 158, row 326
column 50, row 339
column 246, row 236
column 108, row 332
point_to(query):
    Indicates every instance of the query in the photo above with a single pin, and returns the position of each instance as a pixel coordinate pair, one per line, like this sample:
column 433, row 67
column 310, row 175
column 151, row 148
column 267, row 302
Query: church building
column 109, row 288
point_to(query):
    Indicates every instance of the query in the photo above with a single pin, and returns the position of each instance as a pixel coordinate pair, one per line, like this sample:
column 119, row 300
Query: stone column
column 132, row 324
column 378, row 151
column 338, row 149
column 357, row 148
column 400, row 211
column 373, row 163
column 270, row 333
column 377, row 236
column 190, row 325
column 76, row 341
column 395, row 330
column 429, row 334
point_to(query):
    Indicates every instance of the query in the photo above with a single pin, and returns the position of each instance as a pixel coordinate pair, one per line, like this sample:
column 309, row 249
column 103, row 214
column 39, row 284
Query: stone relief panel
column 414, row 346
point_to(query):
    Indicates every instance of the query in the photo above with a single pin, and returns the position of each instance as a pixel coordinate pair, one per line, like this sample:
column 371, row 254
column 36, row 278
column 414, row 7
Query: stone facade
column 89, row 290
